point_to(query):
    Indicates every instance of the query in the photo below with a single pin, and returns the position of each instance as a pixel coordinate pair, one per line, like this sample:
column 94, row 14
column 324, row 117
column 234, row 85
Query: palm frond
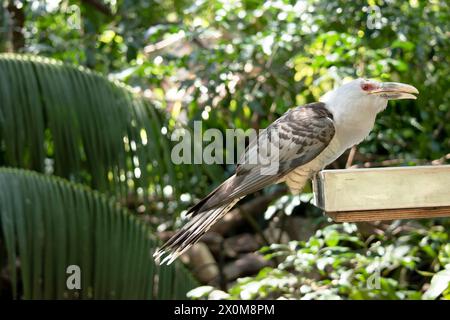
column 48, row 224
column 77, row 124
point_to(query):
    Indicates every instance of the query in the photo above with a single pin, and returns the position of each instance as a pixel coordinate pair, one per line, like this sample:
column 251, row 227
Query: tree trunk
column 17, row 22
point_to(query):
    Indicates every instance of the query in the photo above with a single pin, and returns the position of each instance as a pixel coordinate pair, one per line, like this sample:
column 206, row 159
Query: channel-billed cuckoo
column 307, row 139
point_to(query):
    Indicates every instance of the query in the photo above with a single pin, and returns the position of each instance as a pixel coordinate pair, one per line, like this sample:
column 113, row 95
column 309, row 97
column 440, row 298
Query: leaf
column 200, row 292
column 49, row 224
column 91, row 129
column 332, row 238
column 439, row 283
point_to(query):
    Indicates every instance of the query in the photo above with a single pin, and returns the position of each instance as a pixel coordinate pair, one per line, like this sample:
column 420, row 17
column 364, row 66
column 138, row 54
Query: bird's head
column 363, row 95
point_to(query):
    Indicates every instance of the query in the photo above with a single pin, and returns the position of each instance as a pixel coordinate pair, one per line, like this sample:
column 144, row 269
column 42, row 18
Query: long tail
column 190, row 233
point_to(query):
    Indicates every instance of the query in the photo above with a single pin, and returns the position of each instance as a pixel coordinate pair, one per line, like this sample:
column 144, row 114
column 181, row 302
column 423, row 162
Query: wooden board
column 392, row 214
column 384, row 193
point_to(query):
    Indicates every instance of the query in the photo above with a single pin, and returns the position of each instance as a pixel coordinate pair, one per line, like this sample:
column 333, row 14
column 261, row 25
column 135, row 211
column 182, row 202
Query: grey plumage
column 299, row 136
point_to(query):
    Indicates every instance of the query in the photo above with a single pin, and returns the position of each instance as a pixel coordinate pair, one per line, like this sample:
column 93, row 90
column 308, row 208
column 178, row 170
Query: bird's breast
column 298, row 177
column 344, row 138
column 328, row 155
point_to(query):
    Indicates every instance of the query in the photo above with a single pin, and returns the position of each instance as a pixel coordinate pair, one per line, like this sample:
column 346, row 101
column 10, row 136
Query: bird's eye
column 367, row 86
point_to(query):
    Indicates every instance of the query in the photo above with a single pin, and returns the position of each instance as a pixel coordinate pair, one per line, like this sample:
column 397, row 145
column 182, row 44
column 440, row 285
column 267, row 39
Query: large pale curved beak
column 395, row 91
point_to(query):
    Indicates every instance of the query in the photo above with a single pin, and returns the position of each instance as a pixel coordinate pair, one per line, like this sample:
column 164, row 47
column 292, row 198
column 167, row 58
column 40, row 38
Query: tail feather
column 189, row 234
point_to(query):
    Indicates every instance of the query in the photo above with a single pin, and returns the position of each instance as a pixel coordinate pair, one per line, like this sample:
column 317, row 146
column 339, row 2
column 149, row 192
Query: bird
column 309, row 137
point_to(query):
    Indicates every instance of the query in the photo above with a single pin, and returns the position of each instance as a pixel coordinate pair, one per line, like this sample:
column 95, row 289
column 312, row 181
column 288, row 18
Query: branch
column 164, row 43
column 351, row 156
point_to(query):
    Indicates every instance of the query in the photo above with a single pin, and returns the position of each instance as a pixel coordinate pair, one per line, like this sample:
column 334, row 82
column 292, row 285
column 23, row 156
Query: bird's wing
column 297, row 137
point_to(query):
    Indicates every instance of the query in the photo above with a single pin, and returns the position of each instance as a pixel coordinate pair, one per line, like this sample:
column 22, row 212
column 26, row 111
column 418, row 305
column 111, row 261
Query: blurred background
column 92, row 90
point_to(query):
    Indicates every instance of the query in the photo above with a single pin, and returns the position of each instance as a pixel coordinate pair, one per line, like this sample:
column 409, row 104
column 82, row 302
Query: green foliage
column 338, row 263
column 60, row 119
column 232, row 64
column 243, row 63
column 112, row 247
column 268, row 56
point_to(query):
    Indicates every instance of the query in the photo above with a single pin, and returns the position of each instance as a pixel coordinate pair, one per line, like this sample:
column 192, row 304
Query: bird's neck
column 352, row 123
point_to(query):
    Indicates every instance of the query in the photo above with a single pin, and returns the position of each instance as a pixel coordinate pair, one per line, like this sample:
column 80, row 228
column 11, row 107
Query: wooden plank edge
column 389, row 214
